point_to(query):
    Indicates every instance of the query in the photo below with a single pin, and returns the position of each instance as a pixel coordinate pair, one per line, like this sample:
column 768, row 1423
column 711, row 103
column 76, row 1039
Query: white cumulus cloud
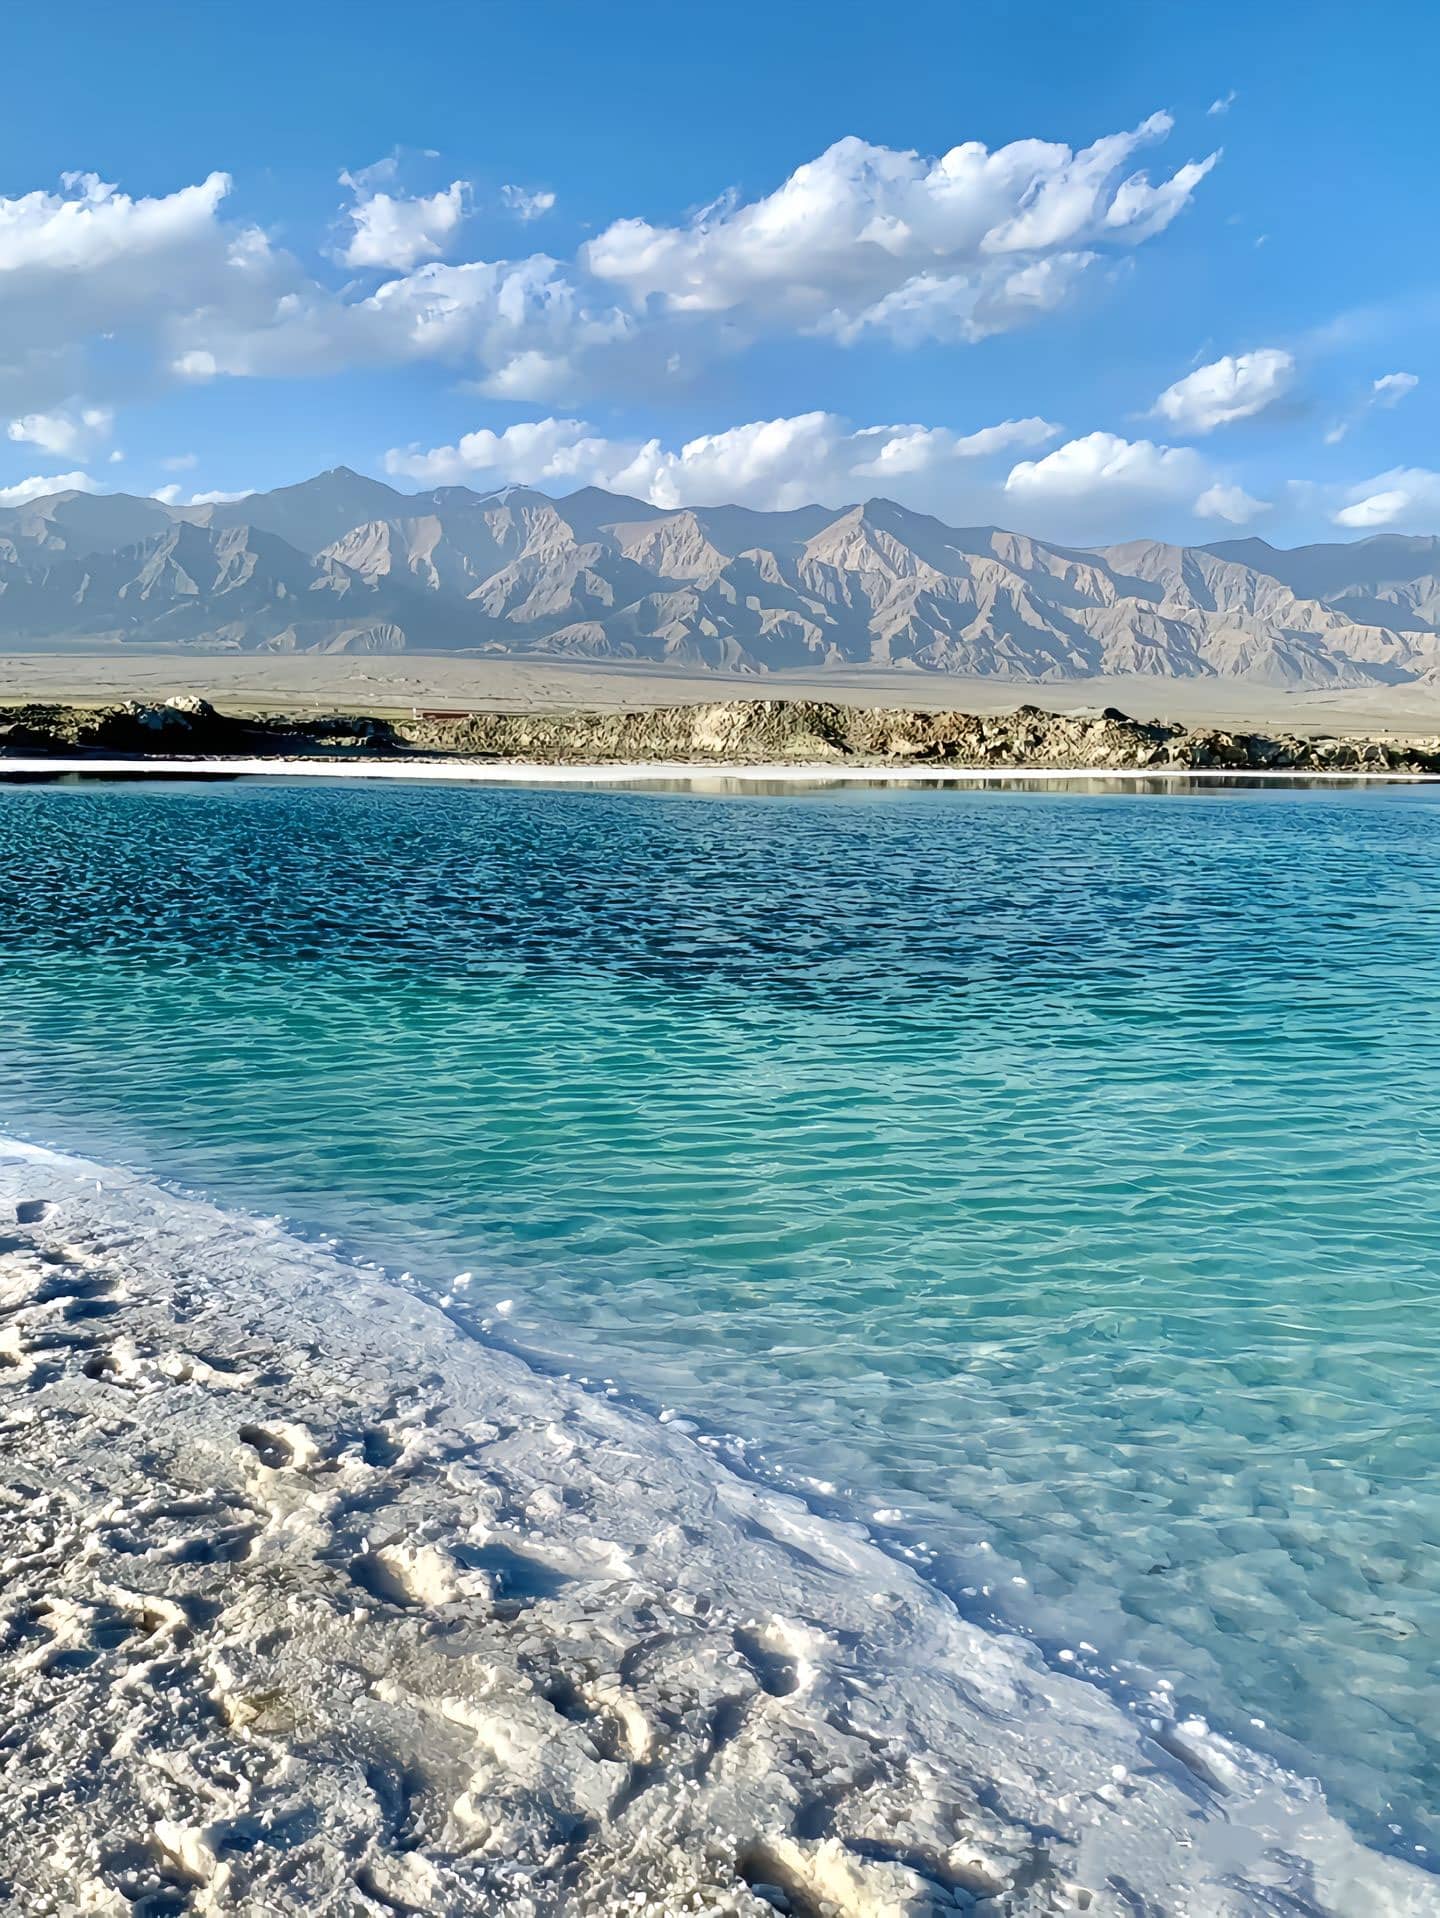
column 1103, row 467
column 965, row 306
column 530, row 374
column 67, row 432
column 92, row 226
column 863, row 240
column 1230, row 503
column 209, row 298
column 770, row 464
column 867, row 236
column 918, row 449
column 1405, row 496
column 1233, row 388
column 397, row 231
column 43, row 484
column 89, row 264
column 517, row 321
column 170, row 280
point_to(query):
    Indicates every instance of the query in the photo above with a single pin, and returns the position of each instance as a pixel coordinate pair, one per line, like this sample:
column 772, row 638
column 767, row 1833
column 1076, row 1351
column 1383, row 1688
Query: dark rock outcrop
column 181, row 728
column 734, row 732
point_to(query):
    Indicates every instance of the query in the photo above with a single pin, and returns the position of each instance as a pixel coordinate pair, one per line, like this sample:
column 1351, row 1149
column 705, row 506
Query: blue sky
column 1024, row 332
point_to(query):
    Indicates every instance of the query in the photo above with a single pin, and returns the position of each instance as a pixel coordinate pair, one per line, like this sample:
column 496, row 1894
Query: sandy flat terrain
column 251, row 682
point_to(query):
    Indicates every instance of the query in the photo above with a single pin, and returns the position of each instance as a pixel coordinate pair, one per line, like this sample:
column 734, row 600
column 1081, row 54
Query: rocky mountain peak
column 349, row 561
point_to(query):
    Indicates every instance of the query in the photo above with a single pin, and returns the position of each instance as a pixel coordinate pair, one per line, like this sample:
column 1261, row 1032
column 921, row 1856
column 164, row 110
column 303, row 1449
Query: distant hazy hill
column 345, row 563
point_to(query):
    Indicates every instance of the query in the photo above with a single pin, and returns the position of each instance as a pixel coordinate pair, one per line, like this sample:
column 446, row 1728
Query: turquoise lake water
column 1055, row 1175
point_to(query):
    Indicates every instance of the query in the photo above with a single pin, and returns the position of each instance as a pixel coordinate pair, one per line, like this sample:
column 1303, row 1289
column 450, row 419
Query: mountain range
column 344, row 563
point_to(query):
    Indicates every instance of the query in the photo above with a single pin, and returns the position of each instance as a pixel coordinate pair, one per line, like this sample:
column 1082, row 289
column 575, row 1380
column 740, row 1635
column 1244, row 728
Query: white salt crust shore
column 697, row 773
column 310, row 1604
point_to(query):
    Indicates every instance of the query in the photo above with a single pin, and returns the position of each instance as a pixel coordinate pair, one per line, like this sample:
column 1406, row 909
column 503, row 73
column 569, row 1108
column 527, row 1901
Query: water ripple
column 1057, row 1172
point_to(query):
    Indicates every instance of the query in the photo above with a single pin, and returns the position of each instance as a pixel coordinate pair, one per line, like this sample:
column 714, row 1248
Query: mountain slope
column 1391, row 578
column 343, row 561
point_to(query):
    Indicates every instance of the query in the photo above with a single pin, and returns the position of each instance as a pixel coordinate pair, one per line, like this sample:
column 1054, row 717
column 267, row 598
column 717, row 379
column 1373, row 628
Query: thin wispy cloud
column 528, row 203
column 1385, row 393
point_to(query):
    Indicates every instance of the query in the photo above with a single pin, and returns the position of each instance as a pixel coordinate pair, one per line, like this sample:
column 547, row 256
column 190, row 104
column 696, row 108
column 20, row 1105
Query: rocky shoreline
column 728, row 732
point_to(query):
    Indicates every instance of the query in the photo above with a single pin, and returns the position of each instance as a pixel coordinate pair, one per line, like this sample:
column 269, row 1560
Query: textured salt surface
column 310, row 1604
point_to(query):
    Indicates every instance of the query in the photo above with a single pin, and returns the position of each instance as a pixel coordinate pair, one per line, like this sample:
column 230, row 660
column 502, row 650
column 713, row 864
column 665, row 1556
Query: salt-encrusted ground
column 699, row 775
column 311, row 1605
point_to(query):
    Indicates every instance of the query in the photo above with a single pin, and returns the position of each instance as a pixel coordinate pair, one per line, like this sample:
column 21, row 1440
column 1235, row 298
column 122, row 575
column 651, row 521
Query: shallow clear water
column 1054, row 1175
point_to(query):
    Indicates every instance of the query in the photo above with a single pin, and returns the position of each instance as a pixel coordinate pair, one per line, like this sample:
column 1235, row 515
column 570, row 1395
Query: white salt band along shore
column 312, row 1604
column 517, row 772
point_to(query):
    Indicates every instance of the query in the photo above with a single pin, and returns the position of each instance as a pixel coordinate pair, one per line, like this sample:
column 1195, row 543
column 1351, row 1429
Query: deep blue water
column 1056, row 1175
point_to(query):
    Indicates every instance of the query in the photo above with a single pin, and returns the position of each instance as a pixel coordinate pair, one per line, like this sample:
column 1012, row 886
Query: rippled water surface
column 1056, row 1176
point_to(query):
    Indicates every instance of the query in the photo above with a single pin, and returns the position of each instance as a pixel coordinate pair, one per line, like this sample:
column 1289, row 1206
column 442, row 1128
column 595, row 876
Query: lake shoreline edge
column 478, row 1542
